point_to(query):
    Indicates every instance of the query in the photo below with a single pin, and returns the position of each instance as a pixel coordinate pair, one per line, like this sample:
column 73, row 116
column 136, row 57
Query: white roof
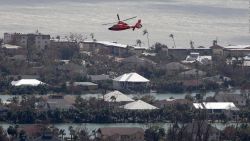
column 107, row 43
column 198, row 106
column 8, row 46
column 246, row 63
column 27, row 82
column 238, row 47
column 139, row 105
column 131, row 77
column 119, row 97
column 216, row 105
column 138, row 47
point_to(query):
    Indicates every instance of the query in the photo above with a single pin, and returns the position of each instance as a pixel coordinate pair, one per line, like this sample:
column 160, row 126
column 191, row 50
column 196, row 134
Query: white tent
column 139, row 105
column 131, row 77
column 119, row 97
column 27, row 82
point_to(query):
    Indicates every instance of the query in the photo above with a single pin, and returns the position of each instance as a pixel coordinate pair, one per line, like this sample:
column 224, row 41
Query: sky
column 198, row 20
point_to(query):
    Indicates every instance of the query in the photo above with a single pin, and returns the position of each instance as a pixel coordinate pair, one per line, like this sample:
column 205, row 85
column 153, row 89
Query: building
column 12, row 50
column 172, row 103
column 237, row 99
column 116, row 96
column 139, row 105
column 72, row 68
column 48, row 136
column 120, row 134
column 181, row 53
column 130, row 81
column 191, row 74
column 106, row 47
column 218, row 79
column 194, row 57
column 112, row 48
column 217, row 50
column 99, row 78
column 37, row 40
column 136, row 60
column 229, row 51
column 58, row 102
column 236, row 50
column 137, row 50
column 62, row 43
column 227, row 108
column 174, row 67
column 82, row 86
column 27, row 82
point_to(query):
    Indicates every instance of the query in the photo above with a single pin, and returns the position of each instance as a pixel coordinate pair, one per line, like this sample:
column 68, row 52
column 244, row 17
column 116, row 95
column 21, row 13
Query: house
column 83, row 85
column 139, row 105
column 18, row 58
column 47, row 136
column 137, row 50
column 172, row 103
column 237, row 99
column 190, row 74
column 174, row 67
column 136, row 60
column 130, row 81
column 13, row 50
column 16, row 77
column 32, row 131
column 72, row 68
column 216, row 79
column 27, row 82
column 227, row 108
column 116, row 96
column 99, row 78
column 181, row 53
column 202, row 131
column 120, row 134
column 196, row 57
column 60, row 102
column 13, row 47
column 191, row 83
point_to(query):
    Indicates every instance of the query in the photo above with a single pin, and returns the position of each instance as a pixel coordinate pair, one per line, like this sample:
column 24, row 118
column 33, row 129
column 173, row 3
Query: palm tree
column 192, row 44
column 62, row 133
column 138, row 42
column 71, row 132
column 172, row 36
column 58, row 38
column 113, row 98
column 145, row 31
column 92, row 35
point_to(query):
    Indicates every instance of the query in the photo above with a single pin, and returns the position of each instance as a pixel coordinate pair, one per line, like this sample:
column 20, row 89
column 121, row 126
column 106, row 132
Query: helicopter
column 121, row 25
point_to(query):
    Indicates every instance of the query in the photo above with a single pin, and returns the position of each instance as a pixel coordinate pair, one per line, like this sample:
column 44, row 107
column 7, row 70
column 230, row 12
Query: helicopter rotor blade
column 109, row 23
column 118, row 17
column 129, row 18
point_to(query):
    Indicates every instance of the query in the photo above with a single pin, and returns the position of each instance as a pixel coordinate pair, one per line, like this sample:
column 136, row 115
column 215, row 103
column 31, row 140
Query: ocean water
column 199, row 20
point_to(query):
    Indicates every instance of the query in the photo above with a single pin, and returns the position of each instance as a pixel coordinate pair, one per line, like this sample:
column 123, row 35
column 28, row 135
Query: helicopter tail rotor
column 137, row 25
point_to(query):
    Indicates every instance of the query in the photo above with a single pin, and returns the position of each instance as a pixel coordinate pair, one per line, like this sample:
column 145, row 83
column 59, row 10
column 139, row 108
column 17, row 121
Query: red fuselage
column 120, row 26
